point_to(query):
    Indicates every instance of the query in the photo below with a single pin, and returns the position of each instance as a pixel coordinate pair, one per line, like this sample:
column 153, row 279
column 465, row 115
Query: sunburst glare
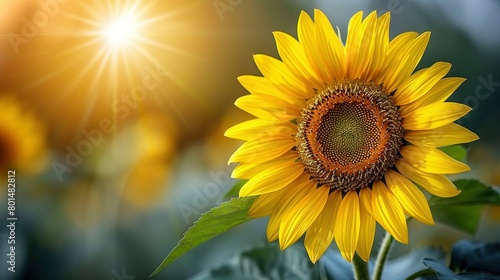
column 121, row 31
column 98, row 52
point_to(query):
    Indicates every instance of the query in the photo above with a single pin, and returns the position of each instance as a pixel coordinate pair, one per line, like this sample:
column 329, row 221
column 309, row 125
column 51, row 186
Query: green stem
column 424, row 272
column 383, row 253
column 360, row 268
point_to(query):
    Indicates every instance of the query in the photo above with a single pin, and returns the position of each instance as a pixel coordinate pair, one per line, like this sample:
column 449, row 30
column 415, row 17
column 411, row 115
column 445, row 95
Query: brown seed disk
column 349, row 135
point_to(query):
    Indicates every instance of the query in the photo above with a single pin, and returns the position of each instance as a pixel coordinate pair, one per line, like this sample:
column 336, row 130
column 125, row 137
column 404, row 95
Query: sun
column 121, row 31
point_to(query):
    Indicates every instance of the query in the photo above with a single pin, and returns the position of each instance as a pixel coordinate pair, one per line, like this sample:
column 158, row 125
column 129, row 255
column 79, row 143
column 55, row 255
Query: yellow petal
column 247, row 170
column 263, row 149
column 365, row 197
column 265, row 203
column 380, row 43
column 293, row 55
column 296, row 191
column 354, row 28
column 402, row 60
column 319, row 236
column 438, row 93
column 435, row 115
column 394, row 49
column 272, row 179
column 268, row 107
column 436, row 184
column 347, row 225
column 449, row 134
column 305, row 29
column 420, row 83
column 330, row 49
column 262, row 85
column 367, row 227
column 301, row 215
column 360, row 45
column 307, row 38
column 432, row 160
column 399, row 43
column 411, row 198
column 256, row 128
column 278, row 73
column 388, row 212
column 255, row 84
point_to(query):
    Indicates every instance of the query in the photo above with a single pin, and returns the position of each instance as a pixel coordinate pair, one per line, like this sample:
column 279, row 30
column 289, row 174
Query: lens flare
column 121, row 31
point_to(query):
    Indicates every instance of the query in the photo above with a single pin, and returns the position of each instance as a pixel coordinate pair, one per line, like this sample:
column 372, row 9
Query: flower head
column 343, row 134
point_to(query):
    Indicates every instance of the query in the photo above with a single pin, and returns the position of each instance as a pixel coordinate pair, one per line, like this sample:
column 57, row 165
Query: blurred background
column 112, row 113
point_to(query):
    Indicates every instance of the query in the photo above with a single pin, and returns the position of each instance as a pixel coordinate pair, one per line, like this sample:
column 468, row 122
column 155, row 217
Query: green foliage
column 469, row 260
column 211, row 224
column 464, row 210
column 457, row 152
column 265, row 262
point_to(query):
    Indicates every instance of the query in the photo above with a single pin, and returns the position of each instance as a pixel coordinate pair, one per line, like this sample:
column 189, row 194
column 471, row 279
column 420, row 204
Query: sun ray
column 92, row 75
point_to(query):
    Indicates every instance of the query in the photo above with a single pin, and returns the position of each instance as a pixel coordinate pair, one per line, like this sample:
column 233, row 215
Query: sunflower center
column 349, row 135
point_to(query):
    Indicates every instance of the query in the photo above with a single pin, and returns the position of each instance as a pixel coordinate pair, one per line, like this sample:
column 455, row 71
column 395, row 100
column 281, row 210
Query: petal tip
column 404, row 239
column 271, row 236
column 302, row 14
column 313, row 256
column 426, row 34
column 347, row 256
column 284, row 243
column 363, row 256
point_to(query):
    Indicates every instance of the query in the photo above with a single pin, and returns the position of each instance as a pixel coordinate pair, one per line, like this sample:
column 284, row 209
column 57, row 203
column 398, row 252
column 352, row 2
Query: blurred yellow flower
column 22, row 137
column 344, row 132
column 154, row 141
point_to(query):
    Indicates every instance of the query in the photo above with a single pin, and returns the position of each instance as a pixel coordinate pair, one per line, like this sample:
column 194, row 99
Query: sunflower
column 344, row 133
column 22, row 139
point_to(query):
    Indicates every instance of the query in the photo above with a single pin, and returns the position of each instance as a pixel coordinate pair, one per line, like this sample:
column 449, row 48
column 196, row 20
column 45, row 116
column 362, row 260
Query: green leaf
column 266, row 262
column 457, row 152
column 235, row 190
column 211, row 224
column 473, row 193
column 464, row 218
column 471, row 255
column 464, row 210
column 442, row 272
column 472, row 260
column 409, row 264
